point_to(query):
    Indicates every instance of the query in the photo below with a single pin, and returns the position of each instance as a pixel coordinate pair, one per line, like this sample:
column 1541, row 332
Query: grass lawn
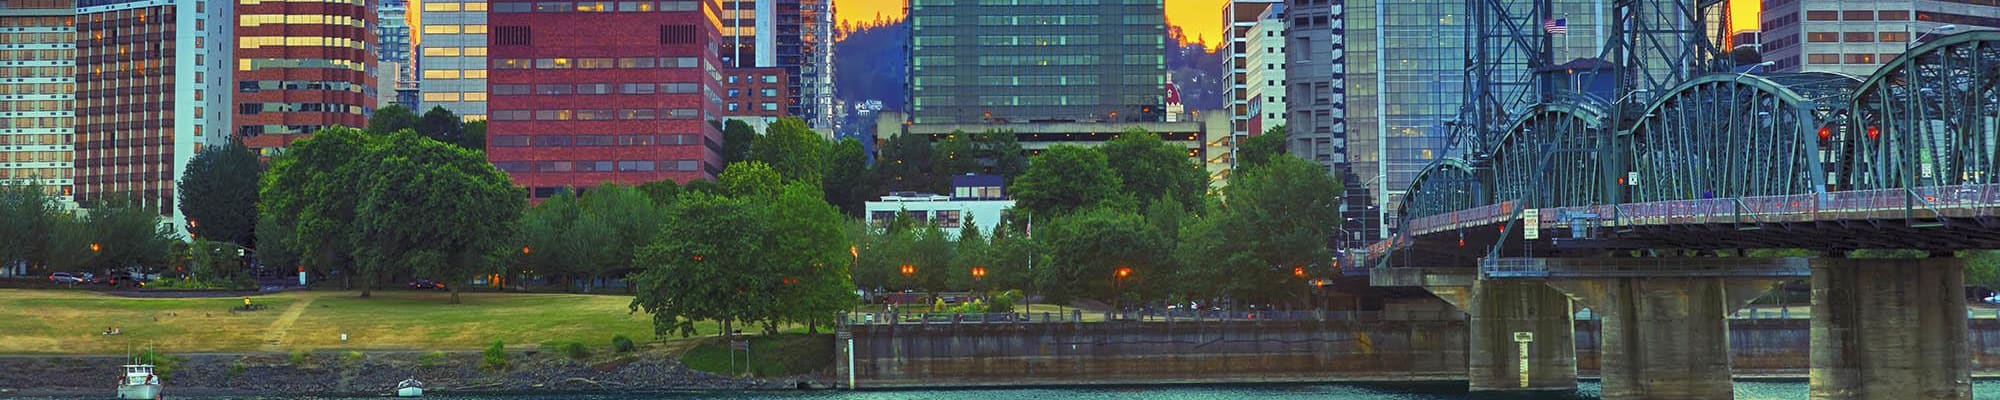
column 70, row 322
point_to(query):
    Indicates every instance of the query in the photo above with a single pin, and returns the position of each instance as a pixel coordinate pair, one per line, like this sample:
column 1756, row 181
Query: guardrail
column 1539, row 268
column 1077, row 316
column 1924, row 206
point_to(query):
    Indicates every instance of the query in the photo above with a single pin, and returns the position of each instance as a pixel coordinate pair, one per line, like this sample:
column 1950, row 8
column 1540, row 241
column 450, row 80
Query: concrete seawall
column 1004, row 354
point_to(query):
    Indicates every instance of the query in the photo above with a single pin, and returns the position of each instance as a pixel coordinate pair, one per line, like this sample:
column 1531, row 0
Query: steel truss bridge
column 1908, row 158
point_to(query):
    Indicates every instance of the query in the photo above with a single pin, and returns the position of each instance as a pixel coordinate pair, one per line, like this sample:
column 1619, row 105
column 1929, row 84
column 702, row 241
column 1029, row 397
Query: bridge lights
column 1874, row 132
column 1825, row 133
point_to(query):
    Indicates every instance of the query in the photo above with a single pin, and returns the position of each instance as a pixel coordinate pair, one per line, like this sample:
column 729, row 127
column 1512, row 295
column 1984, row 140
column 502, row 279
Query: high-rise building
column 793, row 35
column 755, row 95
column 152, row 88
column 587, row 93
column 302, row 66
column 398, row 70
column 1857, row 37
column 1036, row 60
column 1373, row 90
column 38, row 78
column 1264, row 66
column 1239, row 17
column 452, row 58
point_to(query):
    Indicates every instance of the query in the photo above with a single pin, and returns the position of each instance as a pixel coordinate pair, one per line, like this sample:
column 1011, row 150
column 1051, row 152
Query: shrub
column 1000, row 304
column 301, row 357
column 236, row 369
column 622, row 344
column 352, row 358
column 568, row 348
column 495, row 356
column 163, row 364
column 431, row 359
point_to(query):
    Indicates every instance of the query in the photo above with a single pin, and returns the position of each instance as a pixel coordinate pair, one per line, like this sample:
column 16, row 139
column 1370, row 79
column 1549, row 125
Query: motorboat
column 139, row 383
column 411, row 389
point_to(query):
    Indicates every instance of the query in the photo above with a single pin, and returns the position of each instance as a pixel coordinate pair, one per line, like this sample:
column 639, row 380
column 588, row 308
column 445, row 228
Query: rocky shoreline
column 340, row 373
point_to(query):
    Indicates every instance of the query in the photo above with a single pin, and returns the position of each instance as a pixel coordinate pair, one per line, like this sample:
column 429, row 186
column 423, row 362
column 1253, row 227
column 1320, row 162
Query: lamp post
column 1118, row 287
column 978, row 274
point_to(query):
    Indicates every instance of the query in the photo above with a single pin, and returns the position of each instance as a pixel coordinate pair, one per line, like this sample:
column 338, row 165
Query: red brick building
column 303, row 65
column 590, row 92
column 756, row 93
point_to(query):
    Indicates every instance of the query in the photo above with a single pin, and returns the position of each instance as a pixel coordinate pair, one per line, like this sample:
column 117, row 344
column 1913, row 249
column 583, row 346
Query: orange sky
column 1201, row 19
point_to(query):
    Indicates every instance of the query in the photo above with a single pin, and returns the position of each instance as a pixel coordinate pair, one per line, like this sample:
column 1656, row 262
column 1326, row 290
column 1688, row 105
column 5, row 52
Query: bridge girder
column 1554, row 155
column 1735, row 135
column 1927, row 118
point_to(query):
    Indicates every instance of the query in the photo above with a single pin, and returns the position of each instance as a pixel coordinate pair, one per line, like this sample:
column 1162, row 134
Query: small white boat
column 139, row 383
column 410, row 388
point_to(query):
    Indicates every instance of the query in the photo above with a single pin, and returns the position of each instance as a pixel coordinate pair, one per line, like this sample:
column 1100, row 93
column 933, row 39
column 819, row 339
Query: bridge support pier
column 1502, row 359
column 1889, row 329
column 1664, row 337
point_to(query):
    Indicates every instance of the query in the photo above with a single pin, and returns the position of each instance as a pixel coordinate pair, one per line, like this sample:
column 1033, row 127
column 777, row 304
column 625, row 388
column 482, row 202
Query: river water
column 1745, row 390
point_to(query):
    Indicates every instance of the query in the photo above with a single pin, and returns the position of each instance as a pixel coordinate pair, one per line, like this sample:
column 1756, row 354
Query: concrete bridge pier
column 1664, row 337
column 1521, row 333
column 1889, row 329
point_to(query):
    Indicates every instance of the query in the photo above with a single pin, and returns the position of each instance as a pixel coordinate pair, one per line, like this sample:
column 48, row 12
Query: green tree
column 441, row 125
column 1087, row 249
column 271, row 251
column 472, row 135
column 1259, row 149
column 391, row 119
column 810, row 255
column 310, row 192
column 1010, row 258
column 793, row 149
column 214, row 261
column 125, row 237
column 1285, row 213
column 993, row 152
column 930, row 258
column 752, row 179
column 1065, row 179
column 218, row 193
column 560, row 239
column 737, row 138
column 662, row 192
column 467, row 207
column 1982, row 268
column 631, row 219
column 907, row 163
column 847, row 183
column 1152, row 169
column 968, row 252
column 29, row 216
column 704, row 266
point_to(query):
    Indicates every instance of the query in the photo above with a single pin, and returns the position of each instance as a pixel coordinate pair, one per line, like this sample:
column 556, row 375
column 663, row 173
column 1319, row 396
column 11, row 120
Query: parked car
column 426, row 284
column 66, row 278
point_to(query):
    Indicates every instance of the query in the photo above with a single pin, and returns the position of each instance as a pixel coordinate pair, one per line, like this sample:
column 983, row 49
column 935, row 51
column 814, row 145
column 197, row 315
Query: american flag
column 1557, row 26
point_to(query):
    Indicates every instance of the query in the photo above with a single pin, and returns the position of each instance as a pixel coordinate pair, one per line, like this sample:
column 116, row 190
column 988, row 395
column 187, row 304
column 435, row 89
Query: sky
column 1201, row 19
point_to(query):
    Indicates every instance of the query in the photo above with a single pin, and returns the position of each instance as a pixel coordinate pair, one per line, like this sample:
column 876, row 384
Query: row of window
column 454, row 96
column 1863, row 59
column 594, row 140
column 300, row 19
column 252, row 42
column 1857, row 15
column 595, row 88
column 262, row 63
column 734, row 93
column 454, row 74
column 258, row 86
column 454, row 29
column 766, row 106
column 630, row 114
column 597, row 6
column 597, row 166
column 946, row 219
column 429, row 6
column 455, row 51
column 258, row 108
column 1857, row 37
column 597, row 63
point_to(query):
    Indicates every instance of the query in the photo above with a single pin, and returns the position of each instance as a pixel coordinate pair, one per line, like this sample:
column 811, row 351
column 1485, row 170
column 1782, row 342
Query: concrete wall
column 1244, row 351
column 1156, row 352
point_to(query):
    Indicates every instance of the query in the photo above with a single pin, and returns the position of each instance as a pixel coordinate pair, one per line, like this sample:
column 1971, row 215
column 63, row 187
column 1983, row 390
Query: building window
column 1822, row 15
column 1894, row 15
column 1860, row 58
column 948, row 219
column 769, row 106
column 1858, row 15
column 1822, row 37
column 1859, row 37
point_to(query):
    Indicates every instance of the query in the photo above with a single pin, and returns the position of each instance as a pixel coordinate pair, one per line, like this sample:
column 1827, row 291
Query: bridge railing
column 1078, row 316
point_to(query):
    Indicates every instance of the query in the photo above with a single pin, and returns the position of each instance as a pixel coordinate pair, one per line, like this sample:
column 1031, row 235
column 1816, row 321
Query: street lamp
column 1927, row 33
column 1118, row 282
column 94, row 247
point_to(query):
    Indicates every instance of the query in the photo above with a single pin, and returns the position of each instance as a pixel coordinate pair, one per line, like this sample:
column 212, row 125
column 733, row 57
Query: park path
column 275, row 335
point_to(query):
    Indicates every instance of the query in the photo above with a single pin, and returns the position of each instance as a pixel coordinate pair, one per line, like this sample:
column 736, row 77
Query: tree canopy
column 1152, row 169
column 218, row 194
column 1259, row 149
column 391, row 119
column 737, row 137
column 1065, row 179
column 793, row 149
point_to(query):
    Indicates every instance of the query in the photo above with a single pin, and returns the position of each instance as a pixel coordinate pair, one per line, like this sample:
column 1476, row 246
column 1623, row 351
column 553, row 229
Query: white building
column 1266, row 70
column 1857, row 37
column 979, row 199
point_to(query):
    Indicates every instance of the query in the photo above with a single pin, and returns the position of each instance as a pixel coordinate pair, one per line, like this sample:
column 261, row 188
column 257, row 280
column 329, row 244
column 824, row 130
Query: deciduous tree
column 1065, row 179
column 218, row 193
column 465, row 204
column 390, row 119
column 737, row 137
column 441, row 125
column 793, row 149
column 1151, row 169
column 1259, row 149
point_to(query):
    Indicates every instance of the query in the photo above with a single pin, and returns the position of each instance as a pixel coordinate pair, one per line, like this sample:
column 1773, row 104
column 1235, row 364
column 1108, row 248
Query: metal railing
column 1165, row 316
column 1643, row 267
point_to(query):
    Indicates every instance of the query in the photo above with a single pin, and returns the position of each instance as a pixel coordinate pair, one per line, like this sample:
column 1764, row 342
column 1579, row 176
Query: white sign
column 1531, row 224
column 1632, row 178
column 1524, row 337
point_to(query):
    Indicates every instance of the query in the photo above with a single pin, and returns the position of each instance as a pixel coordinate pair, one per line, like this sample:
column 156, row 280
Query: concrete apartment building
column 1036, row 60
column 584, row 93
column 795, row 36
column 1264, row 73
column 38, row 94
column 153, row 87
column 451, row 60
column 1239, row 18
column 310, row 67
column 1857, row 37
